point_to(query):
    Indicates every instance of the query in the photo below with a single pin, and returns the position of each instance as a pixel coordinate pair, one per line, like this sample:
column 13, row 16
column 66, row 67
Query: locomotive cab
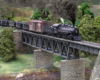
column 56, row 26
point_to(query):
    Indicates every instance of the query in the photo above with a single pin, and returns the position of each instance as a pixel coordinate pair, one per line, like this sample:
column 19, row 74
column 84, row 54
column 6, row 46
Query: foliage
column 44, row 13
column 86, row 11
column 86, row 28
column 97, row 28
column 7, row 45
column 36, row 15
column 85, row 7
column 79, row 15
column 77, row 22
column 58, row 20
column 67, row 21
column 92, row 14
column 6, row 13
column 41, row 13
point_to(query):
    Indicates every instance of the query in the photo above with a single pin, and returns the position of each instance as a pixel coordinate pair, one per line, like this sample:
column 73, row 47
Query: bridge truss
column 62, row 47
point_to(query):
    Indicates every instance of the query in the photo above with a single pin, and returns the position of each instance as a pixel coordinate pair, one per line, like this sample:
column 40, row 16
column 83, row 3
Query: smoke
column 60, row 8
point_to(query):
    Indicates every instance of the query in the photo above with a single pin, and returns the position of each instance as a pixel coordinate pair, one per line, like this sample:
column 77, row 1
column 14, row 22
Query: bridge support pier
column 96, row 70
column 73, row 69
column 21, row 48
column 43, row 59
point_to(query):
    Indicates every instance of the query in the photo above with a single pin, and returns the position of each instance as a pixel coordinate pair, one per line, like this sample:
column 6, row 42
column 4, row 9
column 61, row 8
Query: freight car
column 44, row 27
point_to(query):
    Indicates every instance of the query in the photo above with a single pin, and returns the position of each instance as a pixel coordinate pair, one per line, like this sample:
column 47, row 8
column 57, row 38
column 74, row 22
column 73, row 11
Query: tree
column 97, row 28
column 86, row 11
column 85, row 7
column 7, row 45
column 35, row 15
column 86, row 28
column 79, row 15
column 6, row 13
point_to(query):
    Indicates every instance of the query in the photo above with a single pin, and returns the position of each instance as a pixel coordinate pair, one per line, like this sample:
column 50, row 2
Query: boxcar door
column 38, row 27
column 34, row 26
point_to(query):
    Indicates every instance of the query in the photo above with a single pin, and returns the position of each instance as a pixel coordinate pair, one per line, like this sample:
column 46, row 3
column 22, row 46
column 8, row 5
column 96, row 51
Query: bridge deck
column 82, row 45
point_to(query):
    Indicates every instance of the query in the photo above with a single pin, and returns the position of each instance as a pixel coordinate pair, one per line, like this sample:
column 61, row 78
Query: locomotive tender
column 44, row 27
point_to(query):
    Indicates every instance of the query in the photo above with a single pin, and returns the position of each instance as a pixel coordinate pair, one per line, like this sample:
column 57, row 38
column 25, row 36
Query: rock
column 20, row 75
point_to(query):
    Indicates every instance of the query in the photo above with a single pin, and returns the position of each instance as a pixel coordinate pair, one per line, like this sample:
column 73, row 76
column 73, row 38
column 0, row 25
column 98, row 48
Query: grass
column 22, row 12
column 23, row 63
column 26, row 8
column 23, row 19
column 2, row 29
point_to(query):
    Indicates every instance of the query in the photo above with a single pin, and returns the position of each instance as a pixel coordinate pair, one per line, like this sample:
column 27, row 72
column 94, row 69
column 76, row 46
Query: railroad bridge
column 72, row 68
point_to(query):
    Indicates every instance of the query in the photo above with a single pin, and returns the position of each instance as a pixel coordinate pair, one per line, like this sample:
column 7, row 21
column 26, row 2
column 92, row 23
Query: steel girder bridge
column 62, row 47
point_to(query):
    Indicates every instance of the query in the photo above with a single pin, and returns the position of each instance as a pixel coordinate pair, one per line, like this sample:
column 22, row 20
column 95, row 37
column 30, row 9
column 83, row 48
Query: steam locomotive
column 44, row 27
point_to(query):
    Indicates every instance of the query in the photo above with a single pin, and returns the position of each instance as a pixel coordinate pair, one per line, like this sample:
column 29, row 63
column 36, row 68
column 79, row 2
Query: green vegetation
column 7, row 45
column 97, row 28
column 6, row 13
column 85, row 7
column 23, row 63
column 36, row 15
column 23, row 19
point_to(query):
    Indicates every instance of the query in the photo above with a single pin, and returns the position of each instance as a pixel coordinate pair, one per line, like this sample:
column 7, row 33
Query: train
column 65, row 31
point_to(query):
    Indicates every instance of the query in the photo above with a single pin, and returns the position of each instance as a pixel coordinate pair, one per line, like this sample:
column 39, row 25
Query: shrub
column 79, row 15
column 85, row 7
column 87, row 11
column 92, row 14
column 35, row 15
column 77, row 22
column 97, row 28
column 6, row 13
column 7, row 45
column 86, row 28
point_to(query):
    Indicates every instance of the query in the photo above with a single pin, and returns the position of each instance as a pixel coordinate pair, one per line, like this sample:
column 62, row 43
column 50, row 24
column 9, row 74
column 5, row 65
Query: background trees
column 6, row 13
column 85, row 7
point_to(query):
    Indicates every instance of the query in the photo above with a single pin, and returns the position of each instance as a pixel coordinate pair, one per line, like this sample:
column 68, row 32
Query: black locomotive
column 63, row 31
column 58, row 30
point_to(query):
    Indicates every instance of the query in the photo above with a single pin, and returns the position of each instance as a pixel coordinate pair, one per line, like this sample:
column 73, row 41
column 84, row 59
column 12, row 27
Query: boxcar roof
column 56, row 24
column 37, row 21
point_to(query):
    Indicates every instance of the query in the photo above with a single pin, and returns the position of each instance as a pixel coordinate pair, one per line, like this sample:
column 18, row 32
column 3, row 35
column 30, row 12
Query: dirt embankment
column 96, row 6
column 21, row 13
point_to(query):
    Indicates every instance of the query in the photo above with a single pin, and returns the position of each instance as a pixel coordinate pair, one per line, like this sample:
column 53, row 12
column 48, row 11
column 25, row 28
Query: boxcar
column 11, row 23
column 38, row 25
column 19, row 25
column 0, row 22
column 25, row 26
column 5, row 23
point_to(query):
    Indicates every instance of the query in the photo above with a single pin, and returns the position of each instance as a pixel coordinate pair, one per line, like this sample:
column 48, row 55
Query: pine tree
column 7, row 45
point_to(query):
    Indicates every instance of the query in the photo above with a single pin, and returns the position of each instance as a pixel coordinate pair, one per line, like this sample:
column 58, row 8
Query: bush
column 86, row 28
column 77, row 22
column 6, row 13
column 36, row 15
column 97, row 28
column 85, row 7
column 41, row 13
column 79, row 15
column 7, row 45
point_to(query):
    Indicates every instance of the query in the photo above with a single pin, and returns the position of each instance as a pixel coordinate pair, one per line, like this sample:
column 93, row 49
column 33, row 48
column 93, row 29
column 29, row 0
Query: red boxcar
column 38, row 25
